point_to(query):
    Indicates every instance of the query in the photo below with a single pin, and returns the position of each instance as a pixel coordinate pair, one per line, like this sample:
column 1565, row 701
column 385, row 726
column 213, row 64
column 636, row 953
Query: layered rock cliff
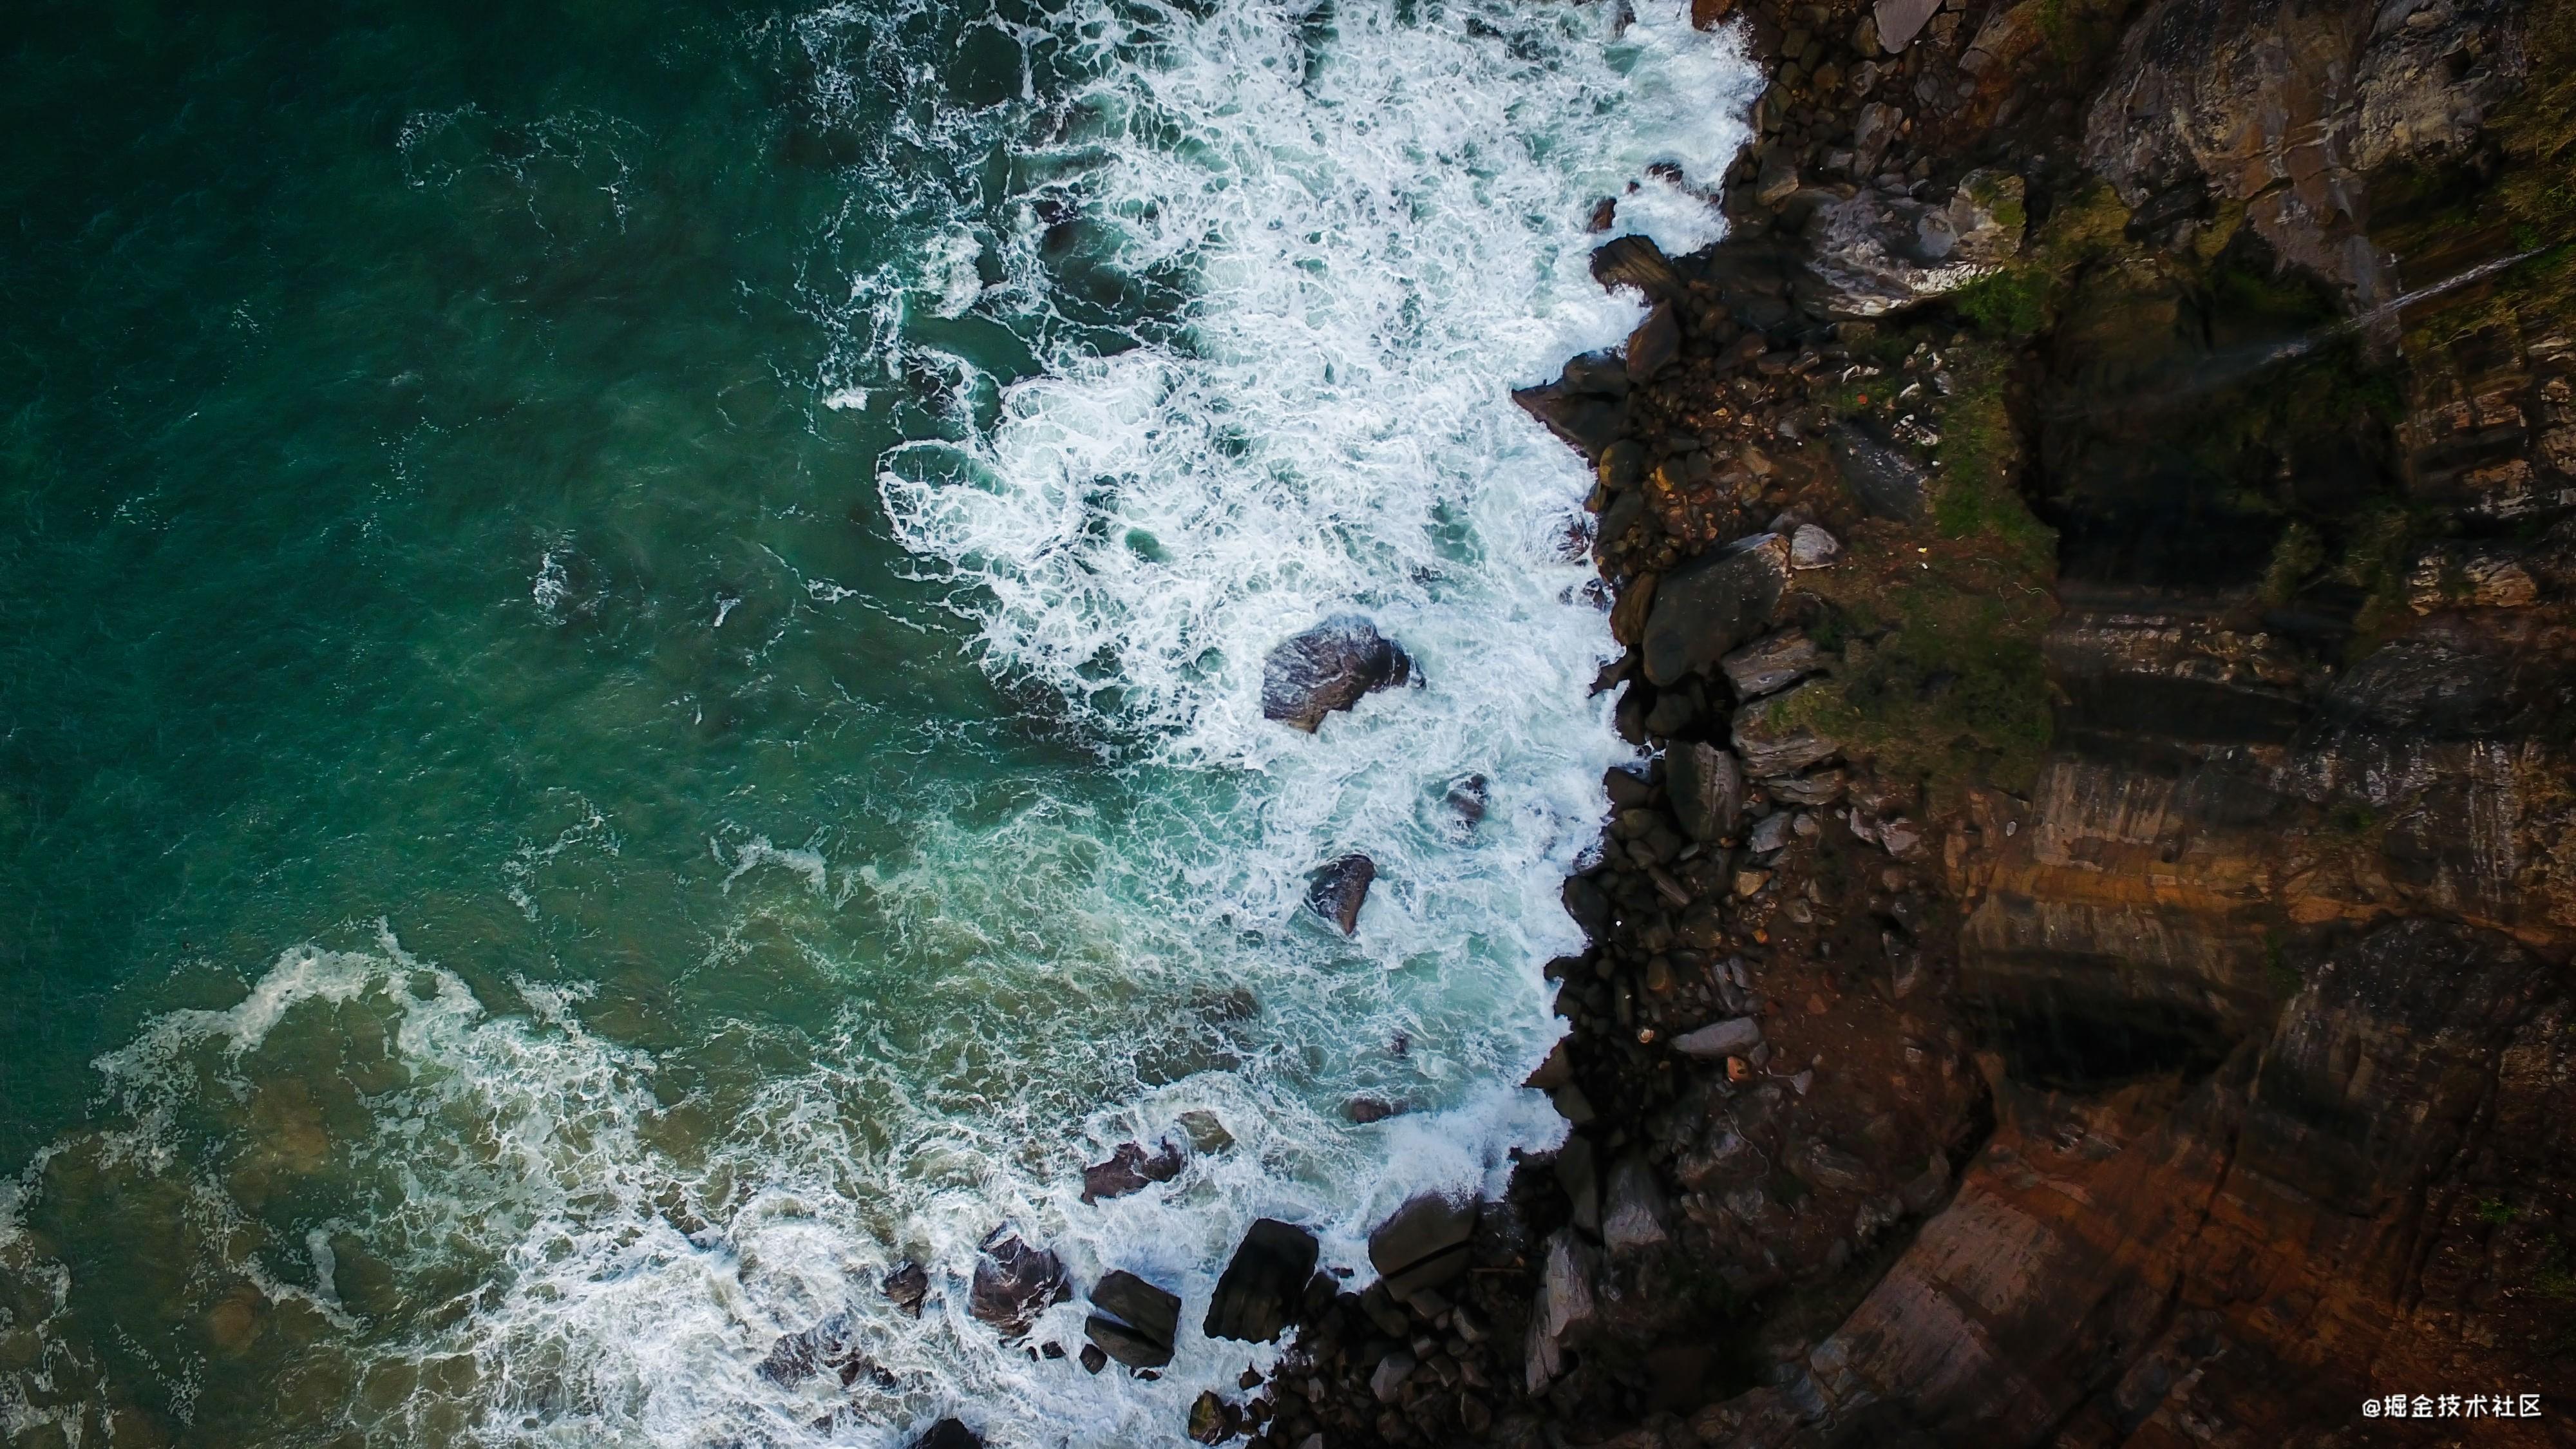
column 2088, row 962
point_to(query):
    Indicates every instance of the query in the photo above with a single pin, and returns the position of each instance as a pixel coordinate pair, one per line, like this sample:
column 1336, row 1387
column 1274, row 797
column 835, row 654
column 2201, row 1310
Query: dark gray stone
column 1129, row 1170
column 1588, row 421
column 1328, row 668
column 1263, row 1288
column 1706, row 608
column 1887, row 483
column 1731, row 1038
column 1337, row 891
column 1656, row 344
column 1423, row 1245
column 1707, row 790
column 1125, row 1345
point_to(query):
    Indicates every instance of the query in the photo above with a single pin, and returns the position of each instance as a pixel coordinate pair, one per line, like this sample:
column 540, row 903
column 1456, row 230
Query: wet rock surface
column 1338, row 890
column 1327, row 668
column 1014, row 1282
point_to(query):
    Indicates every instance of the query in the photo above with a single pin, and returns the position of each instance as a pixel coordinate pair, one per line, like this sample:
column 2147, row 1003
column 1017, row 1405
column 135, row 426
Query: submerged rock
column 1337, row 891
column 1708, row 607
column 906, row 1286
column 1014, row 1283
column 1136, row 1321
column 1328, row 668
column 1129, row 1170
column 1263, row 1287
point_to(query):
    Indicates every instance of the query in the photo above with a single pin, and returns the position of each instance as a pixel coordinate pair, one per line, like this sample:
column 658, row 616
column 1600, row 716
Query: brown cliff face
column 2089, row 965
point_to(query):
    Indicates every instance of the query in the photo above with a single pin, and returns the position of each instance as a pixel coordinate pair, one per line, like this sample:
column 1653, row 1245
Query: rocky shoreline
column 2087, row 962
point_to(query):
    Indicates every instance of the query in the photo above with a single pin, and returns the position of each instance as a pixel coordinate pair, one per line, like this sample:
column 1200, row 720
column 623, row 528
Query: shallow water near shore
column 633, row 671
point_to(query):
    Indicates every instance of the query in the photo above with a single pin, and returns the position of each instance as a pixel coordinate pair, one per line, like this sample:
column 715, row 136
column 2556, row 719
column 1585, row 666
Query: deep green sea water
column 629, row 651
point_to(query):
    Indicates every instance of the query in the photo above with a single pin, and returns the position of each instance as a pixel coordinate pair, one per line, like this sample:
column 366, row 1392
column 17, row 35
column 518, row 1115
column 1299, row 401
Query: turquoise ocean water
column 629, row 653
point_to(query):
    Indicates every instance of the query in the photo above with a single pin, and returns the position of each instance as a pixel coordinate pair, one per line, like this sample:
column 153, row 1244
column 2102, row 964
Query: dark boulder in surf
column 1129, row 1170
column 1135, row 1322
column 1327, row 668
column 1014, row 1283
column 907, row 1285
column 949, row 1434
column 1265, row 1285
column 1337, row 891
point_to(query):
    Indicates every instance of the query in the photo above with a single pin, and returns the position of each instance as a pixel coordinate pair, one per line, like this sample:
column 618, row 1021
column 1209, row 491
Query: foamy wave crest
column 1380, row 231
column 1338, row 240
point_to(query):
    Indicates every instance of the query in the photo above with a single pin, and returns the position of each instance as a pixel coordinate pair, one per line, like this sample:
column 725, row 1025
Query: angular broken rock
column 1129, row 1170
column 1814, row 787
column 1329, row 667
column 1732, row 1037
column 1635, row 261
column 1566, row 1302
column 1339, row 889
column 1264, row 1286
column 1769, row 740
column 1635, row 1214
column 1771, row 664
column 1136, row 1321
column 1590, row 422
column 1899, row 21
column 1706, row 608
column 1014, row 1283
column 906, row 1286
column 1656, row 343
column 1423, row 1245
column 1813, row 548
column 1770, row 833
column 1706, row 788
column 1392, row 1371
column 1880, row 250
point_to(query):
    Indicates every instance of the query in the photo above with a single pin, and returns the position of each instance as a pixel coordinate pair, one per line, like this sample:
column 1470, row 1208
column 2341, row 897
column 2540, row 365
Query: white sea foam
column 1373, row 229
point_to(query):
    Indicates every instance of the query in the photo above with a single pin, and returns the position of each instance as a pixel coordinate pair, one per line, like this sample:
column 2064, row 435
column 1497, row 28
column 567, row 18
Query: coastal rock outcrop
column 1263, row 1288
column 1880, row 249
column 1135, row 1322
column 1014, row 1282
column 1329, row 667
